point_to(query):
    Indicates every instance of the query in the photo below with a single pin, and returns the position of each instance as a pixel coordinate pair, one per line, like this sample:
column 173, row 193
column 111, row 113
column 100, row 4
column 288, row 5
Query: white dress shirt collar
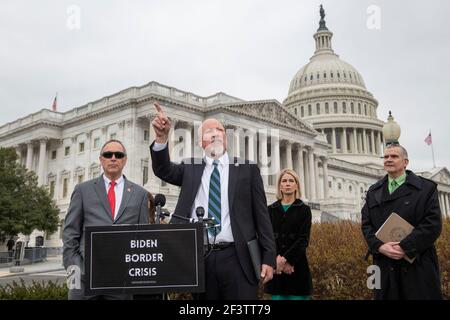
column 118, row 181
column 223, row 160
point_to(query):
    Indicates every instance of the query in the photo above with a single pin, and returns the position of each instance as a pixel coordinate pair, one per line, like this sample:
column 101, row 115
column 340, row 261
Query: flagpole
column 432, row 152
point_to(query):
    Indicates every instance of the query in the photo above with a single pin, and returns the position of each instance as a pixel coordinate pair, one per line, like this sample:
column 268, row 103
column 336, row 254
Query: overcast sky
column 250, row 49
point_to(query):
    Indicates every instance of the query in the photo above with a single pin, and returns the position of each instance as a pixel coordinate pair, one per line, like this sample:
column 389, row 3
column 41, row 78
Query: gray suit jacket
column 89, row 206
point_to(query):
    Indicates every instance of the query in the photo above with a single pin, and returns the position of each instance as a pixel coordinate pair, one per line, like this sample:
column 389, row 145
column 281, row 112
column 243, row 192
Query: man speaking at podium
column 106, row 200
column 233, row 193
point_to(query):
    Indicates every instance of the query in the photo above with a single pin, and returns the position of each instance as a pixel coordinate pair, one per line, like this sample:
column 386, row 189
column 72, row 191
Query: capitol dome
column 331, row 94
column 326, row 69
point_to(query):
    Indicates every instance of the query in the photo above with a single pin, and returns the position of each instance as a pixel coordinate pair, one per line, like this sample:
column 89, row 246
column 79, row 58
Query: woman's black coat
column 292, row 230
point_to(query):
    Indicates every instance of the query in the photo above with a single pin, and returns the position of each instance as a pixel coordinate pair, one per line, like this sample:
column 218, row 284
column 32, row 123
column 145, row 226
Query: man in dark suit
column 232, row 193
column 106, row 200
column 415, row 199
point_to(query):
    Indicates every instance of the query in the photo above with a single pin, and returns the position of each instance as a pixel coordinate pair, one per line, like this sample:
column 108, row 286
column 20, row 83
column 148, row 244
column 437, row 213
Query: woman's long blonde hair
column 279, row 195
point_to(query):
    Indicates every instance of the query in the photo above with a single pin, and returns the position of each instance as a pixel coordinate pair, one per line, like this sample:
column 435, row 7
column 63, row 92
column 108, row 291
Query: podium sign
column 144, row 259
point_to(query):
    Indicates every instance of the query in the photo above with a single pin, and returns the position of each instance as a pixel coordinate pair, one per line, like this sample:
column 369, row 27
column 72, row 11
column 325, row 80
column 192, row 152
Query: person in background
column 291, row 221
column 415, row 199
column 110, row 199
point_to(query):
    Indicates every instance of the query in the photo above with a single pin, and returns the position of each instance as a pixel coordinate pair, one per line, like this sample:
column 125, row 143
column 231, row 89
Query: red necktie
column 112, row 198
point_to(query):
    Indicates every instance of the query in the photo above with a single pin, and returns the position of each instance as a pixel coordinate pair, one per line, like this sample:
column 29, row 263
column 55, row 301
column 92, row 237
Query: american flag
column 428, row 139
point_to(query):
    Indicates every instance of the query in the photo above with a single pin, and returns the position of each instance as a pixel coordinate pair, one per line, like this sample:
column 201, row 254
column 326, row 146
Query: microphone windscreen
column 160, row 200
column 200, row 212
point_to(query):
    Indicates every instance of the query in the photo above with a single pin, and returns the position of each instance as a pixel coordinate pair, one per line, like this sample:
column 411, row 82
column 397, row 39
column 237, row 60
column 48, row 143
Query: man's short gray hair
column 394, row 145
column 113, row 140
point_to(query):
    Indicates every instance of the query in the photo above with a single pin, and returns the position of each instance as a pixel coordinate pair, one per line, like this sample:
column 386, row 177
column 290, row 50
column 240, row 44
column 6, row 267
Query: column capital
column 121, row 124
column 285, row 142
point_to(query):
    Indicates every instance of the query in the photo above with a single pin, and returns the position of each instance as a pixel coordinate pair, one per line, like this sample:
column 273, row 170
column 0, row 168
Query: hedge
column 35, row 291
column 336, row 258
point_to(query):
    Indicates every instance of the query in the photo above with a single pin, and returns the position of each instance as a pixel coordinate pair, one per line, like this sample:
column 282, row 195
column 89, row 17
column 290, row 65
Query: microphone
column 200, row 212
column 190, row 220
column 160, row 201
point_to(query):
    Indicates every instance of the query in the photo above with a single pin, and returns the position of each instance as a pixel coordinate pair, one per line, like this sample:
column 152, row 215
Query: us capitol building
column 326, row 129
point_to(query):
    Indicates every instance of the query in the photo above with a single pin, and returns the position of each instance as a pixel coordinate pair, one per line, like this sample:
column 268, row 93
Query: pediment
column 441, row 175
column 272, row 112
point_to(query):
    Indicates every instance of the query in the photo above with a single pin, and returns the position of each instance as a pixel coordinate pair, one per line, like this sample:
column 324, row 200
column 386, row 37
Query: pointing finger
column 158, row 107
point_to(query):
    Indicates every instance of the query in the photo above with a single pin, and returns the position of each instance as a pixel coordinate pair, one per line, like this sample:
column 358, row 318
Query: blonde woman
column 291, row 221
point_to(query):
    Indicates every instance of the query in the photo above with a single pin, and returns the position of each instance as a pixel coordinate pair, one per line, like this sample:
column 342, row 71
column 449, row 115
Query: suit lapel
column 99, row 187
column 127, row 192
column 233, row 175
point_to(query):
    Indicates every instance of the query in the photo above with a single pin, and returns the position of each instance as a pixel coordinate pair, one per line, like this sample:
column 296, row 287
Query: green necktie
column 214, row 201
column 394, row 186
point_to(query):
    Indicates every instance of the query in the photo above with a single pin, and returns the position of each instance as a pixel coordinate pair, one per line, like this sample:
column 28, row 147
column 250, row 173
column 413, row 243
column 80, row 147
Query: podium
column 144, row 259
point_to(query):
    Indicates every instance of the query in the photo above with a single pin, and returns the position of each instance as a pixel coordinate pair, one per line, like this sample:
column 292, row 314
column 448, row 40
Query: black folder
column 255, row 254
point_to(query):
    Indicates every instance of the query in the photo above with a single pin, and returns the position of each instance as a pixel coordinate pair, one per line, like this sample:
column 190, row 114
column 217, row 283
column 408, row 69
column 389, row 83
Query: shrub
column 35, row 291
column 336, row 258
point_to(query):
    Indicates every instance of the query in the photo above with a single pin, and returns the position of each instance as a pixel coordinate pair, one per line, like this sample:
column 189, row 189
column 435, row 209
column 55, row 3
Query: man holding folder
column 409, row 268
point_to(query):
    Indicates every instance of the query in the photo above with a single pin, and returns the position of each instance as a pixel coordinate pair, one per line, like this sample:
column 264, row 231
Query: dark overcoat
column 416, row 201
column 292, row 231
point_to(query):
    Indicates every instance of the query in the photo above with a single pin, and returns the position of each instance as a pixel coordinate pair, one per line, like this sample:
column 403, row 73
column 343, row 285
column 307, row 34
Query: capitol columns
column 300, row 169
column 42, row 160
column 344, row 140
column 275, row 155
column 289, row 163
column 263, row 158
column 372, row 141
column 364, row 139
column 333, row 139
column 88, row 148
column 317, row 176
column 251, row 144
column 312, row 188
column 379, row 149
column 30, row 151
column 355, row 141
column 325, row 178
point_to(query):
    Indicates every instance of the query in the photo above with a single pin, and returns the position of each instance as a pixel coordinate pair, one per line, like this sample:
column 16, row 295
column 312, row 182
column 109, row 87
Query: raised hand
column 161, row 124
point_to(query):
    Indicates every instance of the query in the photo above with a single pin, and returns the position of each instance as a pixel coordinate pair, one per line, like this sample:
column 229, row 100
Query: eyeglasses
column 117, row 154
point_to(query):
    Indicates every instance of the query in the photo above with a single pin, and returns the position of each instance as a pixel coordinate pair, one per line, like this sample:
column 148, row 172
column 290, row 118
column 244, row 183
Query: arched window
column 335, row 107
column 352, row 108
column 309, row 110
column 359, row 108
column 365, row 109
column 318, row 108
column 302, row 111
column 325, row 75
column 344, row 107
column 327, row 109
